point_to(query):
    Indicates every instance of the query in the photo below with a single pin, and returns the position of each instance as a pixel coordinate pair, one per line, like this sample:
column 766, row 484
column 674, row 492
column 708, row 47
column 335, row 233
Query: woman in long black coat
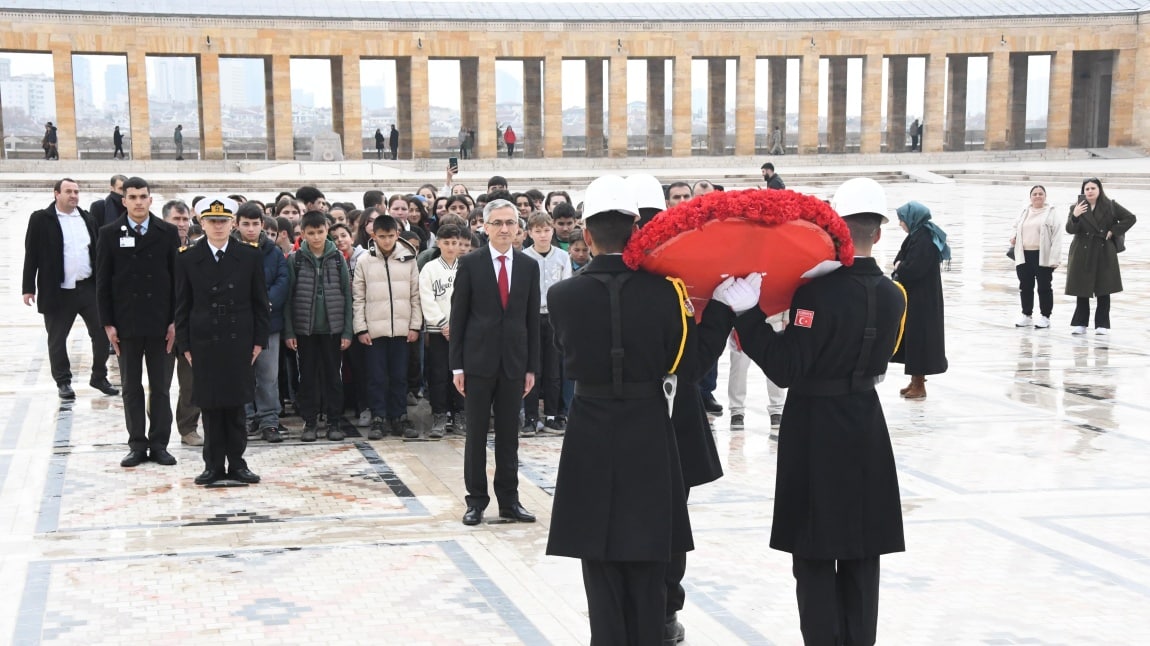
column 1092, row 270
column 918, row 268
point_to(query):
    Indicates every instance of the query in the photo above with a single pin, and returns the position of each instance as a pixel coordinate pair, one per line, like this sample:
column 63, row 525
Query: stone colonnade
column 1095, row 90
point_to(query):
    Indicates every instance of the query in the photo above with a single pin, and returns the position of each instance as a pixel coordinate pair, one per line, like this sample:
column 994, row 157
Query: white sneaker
column 1078, row 329
column 364, row 419
column 1102, row 331
column 1023, row 322
column 1042, row 322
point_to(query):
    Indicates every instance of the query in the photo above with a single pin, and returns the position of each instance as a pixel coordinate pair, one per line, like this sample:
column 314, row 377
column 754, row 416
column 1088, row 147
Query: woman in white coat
column 1037, row 242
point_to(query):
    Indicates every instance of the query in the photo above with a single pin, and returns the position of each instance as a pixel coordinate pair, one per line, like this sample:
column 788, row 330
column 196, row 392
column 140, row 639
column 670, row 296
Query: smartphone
column 1081, row 198
column 453, row 162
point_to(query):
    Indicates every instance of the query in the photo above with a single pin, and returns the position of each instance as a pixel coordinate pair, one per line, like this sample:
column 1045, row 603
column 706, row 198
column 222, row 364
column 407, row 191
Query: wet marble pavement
column 1024, row 474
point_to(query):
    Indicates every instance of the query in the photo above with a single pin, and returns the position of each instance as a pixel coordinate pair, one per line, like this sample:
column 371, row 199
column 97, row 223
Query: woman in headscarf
column 1092, row 269
column 918, row 268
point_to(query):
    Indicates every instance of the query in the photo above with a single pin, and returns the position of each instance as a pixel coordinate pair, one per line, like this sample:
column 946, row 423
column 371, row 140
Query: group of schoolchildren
column 364, row 316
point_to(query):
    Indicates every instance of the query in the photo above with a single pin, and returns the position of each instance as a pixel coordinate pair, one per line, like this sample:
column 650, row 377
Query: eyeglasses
column 499, row 224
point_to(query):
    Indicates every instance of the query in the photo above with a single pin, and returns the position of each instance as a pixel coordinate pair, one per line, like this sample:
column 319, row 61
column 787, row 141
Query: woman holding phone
column 1037, row 241
column 1092, row 268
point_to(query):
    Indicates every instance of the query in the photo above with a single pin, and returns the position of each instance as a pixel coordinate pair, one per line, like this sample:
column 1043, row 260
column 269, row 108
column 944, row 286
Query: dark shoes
column 517, row 513
column 161, row 456
column 208, row 477
column 737, row 421
column 711, row 405
column 103, row 385
column 309, row 432
column 554, row 426
column 376, row 431
column 776, row 419
column 334, row 433
column 673, row 632
column 473, row 516
column 438, row 426
column 243, row 475
column 65, row 391
column 530, row 428
column 403, row 426
column 271, row 435
column 135, row 459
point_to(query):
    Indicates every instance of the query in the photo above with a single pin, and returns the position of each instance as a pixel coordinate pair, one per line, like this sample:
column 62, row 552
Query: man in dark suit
column 494, row 353
column 221, row 327
column 135, row 280
column 59, row 258
column 107, row 210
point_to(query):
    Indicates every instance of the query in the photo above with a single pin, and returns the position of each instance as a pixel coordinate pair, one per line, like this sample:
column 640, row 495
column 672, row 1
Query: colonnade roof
column 586, row 12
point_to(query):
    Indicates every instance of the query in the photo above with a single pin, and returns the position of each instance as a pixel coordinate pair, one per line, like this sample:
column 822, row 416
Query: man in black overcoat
column 836, row 492
column 135, row 285
column 108, row 209
column 620, row 503
column 222, row 321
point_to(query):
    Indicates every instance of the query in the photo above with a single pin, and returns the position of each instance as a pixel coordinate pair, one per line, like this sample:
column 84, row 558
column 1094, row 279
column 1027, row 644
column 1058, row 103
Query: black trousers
column 224, row 437
column 502, row 396
column 356, row 396
column 676, row 570
column 395, row 152
column 319, row 360
column 1101, row 314
column 625, row 602
column 136, row 353
column 414, row 359
column 81, row 302
column 187, row 413
column 1029, row 274
column 119, row 151
column 838, row 601
column 548, row 380
column 510, row 150
column 442, row 393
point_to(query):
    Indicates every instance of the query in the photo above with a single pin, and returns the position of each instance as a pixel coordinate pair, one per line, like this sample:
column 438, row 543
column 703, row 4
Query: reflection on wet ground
column 1025, row 492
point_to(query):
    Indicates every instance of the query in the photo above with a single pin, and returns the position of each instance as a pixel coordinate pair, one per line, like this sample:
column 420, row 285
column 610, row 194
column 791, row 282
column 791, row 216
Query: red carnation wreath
column 788, row 237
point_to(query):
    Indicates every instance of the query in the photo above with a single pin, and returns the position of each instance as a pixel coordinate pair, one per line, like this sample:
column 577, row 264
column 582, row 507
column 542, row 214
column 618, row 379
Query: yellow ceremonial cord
column 901, row 323
column 684, row 304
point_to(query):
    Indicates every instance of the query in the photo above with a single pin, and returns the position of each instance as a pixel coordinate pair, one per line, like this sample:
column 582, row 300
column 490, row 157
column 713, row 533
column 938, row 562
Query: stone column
column 777, row 86
column 896, row 121
column 932, row 118
column 1124, row 86
column 347, row 93
column 837, row 104
column 403, row 106
column 486, row 107
column 617, row 107
column 211, row 122
column 681, row 107
column 64, row 86
column 137, row 105
column 594, row 119
column 745, row 105
column 277, row 78
column 656, row 107
column 872, row 103
column 553, row 107
column 1016, row 112
column 532, row 139
column 716, row 106
column 998, row 99
column 469, row 107
column 956, row 102
column 809, row 104
column 419, row 124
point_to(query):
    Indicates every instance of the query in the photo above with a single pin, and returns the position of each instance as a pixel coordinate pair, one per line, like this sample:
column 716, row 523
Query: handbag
column 1010, row 252
column 1119, row 242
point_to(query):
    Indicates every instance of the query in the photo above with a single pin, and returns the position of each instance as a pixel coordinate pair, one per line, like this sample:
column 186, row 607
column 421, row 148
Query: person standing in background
column 393, row 142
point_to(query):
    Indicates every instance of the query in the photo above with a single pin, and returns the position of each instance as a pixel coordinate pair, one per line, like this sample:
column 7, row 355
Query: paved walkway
column 1026, row 496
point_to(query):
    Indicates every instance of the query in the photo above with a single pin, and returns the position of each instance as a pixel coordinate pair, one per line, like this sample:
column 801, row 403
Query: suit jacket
column 107, row 210
column 486, row 340
column 221, row 312
column 44, row 256
column 135, row 286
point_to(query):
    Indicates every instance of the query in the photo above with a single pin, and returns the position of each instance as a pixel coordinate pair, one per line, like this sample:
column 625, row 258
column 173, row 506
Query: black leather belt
column 626, row 390
column 835, row 387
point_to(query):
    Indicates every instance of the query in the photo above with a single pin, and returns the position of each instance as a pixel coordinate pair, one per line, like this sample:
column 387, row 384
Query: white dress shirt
column 77, row 261
column 143, row 225
column 214, row 249
column 495, row 262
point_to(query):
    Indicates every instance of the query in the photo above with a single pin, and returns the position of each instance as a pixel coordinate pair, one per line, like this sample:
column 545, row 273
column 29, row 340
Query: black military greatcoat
column 836, row 491
column 619, row 494
column 221, row 312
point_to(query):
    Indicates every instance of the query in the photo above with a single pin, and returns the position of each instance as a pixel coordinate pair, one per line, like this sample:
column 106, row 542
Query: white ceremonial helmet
column 860, row 195
column 648, row 191
column 609, row 193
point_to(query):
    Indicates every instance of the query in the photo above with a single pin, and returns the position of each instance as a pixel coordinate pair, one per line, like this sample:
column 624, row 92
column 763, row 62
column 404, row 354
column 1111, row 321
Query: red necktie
column 504, row 284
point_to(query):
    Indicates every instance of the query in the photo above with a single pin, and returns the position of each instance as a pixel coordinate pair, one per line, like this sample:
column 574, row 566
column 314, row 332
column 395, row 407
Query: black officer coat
column 221, row 313
column 697, row 453
column 135, row 285
column 836, row 490
column 619, row 493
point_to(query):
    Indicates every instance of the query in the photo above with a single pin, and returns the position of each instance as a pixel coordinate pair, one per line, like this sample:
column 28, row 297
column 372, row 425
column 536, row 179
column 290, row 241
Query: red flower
column 756, row 205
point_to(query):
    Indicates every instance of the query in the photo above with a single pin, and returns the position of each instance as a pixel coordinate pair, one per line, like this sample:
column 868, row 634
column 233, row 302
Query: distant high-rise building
column 5, row 69
column 116, row 85
column 241, row 82
column 32, row 94
column 172, row 79
column 82, row 81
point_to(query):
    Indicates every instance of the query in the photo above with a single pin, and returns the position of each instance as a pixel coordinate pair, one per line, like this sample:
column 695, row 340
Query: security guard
column 620, row 504
column 836, row 492
column 221, row 327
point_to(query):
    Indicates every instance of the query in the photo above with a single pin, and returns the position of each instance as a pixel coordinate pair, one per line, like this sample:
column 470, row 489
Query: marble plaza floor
column 1025, row 482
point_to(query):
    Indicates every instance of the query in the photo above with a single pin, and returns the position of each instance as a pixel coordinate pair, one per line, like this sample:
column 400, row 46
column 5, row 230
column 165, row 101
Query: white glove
column 740, row 294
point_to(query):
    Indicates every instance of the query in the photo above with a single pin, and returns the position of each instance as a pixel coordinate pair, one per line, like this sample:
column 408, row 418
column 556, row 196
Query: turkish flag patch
column 804, row 318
